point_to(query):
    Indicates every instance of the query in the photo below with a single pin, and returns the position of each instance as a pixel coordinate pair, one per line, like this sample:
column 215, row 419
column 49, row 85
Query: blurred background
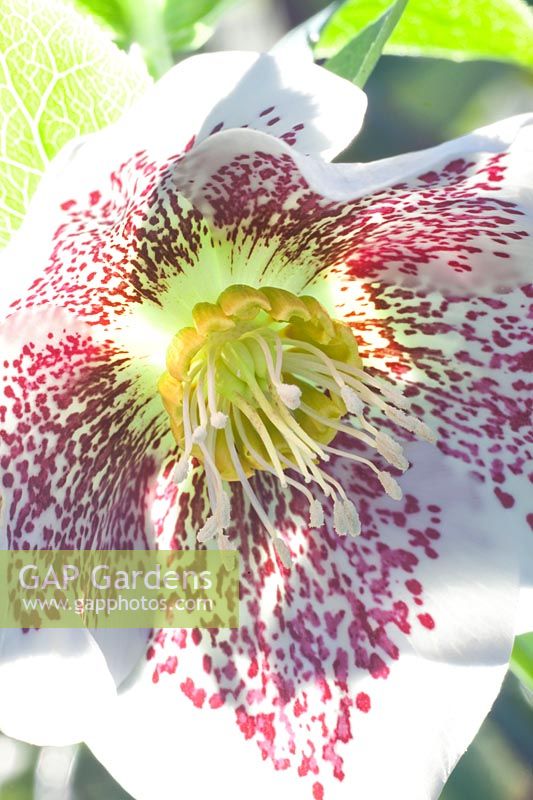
column 413, row 103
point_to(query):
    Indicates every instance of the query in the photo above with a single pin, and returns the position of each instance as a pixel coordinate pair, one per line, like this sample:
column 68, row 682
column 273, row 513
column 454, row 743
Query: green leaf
column 460, row 30
column 111, row 14
column 134, row 21
column 356, row 60
column 522, row 660
column 60, row 77
column 161, row 27
column 190, row 23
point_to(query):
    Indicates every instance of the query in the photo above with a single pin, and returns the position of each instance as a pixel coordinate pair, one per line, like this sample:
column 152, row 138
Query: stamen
column 391, row 486
column 340, row 523
column 218, row 419
column 352, row 518
column 322, row 357
column 258, row 424
column 199, row 434
column 412, row 424
column 254, row 502
column 289, row 394
column 262, row 383
column 316, row 514
column 353, row 403
column 391, row 451
column 208, row 530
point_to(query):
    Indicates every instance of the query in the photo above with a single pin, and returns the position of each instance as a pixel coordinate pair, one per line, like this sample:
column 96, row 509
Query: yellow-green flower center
column 261, row 383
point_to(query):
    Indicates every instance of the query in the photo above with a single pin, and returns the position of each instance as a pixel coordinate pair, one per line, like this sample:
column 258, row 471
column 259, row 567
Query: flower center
column 262, row 382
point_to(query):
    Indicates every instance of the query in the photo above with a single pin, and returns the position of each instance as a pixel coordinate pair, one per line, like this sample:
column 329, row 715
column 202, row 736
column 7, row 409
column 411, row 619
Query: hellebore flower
column 209, row 332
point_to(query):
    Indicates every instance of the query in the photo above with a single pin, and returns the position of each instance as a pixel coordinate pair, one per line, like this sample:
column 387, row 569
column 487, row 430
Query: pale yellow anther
column 183, row 347
column 285, row 306
column 209, row 318
column 243, row 302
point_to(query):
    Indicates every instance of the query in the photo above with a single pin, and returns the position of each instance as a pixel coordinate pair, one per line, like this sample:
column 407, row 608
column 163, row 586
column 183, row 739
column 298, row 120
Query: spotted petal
column 80, row 447
column 457, row 217
column 315, row 689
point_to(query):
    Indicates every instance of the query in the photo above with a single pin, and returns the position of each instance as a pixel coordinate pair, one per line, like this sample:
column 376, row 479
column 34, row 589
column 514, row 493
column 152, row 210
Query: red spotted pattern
column 338, row 617
column 120, row 248
column 78, row 445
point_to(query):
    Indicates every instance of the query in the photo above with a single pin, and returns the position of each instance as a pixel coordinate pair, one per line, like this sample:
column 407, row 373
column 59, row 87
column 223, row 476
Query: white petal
column 313, row 109
column 350, row 181
column 524, row 622
column 53, row 685
column 293, row 715
column 122, row 648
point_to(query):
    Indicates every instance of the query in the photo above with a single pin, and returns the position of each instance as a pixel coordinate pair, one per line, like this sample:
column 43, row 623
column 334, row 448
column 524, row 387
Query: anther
column 391, row 450
column 283, row 552
column 219, row 420
column 199, row 434
column 391, row 486
column 352, row 401
column 289, row 394
column 316, row 514
column 208, row 530
column 340, row 523
column 181, row 470
column 352, row 518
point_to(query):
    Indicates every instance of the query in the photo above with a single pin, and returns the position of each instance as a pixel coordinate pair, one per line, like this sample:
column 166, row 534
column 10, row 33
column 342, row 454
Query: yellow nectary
column 261, row 383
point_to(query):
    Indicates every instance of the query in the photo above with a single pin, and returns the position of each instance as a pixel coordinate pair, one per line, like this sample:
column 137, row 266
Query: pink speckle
column 362, row 701
column 318, row 791
column 196, row 695
column 427, row 621
column 414, row 586
column 216, row 700
column 505, row 498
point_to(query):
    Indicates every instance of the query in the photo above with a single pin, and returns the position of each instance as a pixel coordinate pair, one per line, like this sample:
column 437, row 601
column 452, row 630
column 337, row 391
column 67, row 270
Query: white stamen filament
column 254, row 502
column 218, row 419
column 316, row 513
column 289, row 393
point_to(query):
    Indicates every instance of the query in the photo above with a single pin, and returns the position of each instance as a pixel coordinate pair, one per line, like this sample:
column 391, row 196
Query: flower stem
column 147, row 28
column 522, row 660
